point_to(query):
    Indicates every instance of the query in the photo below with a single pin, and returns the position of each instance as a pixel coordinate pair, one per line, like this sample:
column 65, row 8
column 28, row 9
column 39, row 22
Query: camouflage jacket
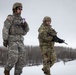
column 44, row 38
column 12, row 30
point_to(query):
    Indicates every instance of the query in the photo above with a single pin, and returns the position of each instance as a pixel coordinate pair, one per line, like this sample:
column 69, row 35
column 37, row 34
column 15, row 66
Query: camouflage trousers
column 48, row 57
column 16, row 57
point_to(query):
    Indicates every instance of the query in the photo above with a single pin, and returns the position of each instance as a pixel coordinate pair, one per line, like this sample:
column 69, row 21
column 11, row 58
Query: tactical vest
column 16, row 28
column 46, row 29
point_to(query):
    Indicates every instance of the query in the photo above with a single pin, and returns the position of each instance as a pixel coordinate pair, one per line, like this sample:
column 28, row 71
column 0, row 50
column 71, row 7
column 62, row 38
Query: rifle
column 65, row 43
column 56, row 39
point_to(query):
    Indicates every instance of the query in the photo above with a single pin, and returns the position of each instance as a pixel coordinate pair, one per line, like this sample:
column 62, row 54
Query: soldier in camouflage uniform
column 15, row 27
column 47, row 38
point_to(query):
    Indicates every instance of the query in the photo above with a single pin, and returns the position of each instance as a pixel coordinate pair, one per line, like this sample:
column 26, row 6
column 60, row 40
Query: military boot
column 6, row 72
column 48, row 73
column 44, row 70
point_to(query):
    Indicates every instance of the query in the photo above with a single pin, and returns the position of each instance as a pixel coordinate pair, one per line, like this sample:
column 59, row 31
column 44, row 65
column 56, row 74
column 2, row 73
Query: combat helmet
column 47, row 18
column 17, row 4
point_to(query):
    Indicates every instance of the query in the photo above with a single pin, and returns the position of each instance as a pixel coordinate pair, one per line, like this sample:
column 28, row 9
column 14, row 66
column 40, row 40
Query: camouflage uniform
column 47, row 46
column 14, row 32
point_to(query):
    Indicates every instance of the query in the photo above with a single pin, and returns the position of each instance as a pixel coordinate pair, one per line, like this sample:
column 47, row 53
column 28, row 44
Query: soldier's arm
column 7, row 24
column 25, row 28
column 56, row 38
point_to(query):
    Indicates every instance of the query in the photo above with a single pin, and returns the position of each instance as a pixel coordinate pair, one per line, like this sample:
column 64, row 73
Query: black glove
column 55, row 39
column 24, row 25
column 5, row 43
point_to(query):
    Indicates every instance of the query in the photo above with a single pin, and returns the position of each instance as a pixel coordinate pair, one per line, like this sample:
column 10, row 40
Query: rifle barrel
column 66, row 43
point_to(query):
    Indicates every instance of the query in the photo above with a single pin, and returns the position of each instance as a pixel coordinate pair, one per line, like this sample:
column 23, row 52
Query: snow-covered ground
column 58, row 69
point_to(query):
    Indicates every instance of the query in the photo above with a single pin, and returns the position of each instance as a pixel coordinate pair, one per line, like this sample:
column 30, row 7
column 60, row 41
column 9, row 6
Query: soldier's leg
column 12, row 56
column 21, row 60
column 46, row 64
column 46, row 67
column 52, row 56
column 52, row 59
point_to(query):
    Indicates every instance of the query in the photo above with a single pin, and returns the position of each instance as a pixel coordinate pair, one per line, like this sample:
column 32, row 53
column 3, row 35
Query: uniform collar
column 47, row 25
column 17, row 15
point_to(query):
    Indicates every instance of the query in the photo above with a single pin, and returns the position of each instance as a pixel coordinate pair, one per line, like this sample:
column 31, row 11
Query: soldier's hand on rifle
column 5, row 43
column 57, row 39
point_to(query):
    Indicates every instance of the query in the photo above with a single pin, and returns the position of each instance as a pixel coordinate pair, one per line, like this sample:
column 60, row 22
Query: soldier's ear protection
column 15, row 10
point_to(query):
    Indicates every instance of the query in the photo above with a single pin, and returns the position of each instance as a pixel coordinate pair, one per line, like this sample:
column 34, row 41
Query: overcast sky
column 62, row 12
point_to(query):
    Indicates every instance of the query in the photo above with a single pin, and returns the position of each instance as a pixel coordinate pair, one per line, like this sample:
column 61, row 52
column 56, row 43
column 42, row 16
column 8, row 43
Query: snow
column 58, row 69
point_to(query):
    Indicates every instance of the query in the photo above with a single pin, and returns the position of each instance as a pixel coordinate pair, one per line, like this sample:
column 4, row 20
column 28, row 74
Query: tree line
column 33, row 55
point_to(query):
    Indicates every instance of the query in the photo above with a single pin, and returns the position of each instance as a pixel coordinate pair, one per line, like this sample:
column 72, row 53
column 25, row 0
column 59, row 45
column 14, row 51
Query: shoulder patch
column 42, row 30
column 9, row 17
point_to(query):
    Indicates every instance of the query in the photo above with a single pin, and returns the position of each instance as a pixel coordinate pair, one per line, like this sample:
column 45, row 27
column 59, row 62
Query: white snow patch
column 58, row 69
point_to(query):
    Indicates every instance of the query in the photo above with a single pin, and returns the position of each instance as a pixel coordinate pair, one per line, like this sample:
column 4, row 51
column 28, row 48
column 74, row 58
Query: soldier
column 15, row 27
column 47, row 37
